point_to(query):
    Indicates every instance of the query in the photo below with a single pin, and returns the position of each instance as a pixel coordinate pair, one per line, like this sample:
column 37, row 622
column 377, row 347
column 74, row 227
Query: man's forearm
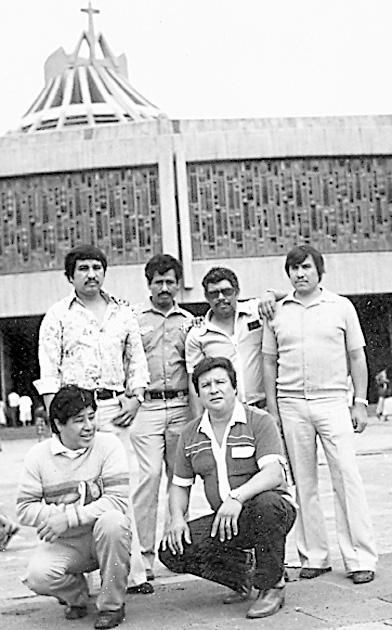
column 359, row 373
column 270, row 372
column 178, row 501
column 267, row 479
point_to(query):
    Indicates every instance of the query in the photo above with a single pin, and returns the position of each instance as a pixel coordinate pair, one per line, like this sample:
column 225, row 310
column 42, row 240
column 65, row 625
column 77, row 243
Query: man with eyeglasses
column 231, row 329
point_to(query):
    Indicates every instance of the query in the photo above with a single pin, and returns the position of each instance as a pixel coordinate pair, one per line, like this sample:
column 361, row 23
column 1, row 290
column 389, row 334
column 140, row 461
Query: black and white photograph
column 195, row 314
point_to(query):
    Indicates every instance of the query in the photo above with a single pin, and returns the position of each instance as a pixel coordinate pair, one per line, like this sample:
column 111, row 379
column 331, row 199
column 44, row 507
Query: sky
column 214, row 58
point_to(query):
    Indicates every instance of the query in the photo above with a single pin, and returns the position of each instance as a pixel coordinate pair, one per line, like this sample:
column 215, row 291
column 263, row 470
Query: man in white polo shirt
column 309, row 348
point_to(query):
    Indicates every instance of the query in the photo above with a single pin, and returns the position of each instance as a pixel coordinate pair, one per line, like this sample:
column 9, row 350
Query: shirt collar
column 58, row 448
column 238, row 416
column 325, row 296
column 72, row 297
column 148, row 307
column 241, row 309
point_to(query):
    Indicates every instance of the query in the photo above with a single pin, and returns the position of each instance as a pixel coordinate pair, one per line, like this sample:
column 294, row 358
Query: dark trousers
column 264, row 524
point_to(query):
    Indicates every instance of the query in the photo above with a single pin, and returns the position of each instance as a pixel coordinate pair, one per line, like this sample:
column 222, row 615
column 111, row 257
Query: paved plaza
column 187, row 603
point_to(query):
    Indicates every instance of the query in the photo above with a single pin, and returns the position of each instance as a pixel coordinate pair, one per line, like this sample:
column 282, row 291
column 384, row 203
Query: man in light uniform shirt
column 231, row 329
column 164, row 413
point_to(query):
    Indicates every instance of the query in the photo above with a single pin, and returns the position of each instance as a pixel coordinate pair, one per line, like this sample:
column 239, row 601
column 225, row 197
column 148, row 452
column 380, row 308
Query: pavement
column 186, row 603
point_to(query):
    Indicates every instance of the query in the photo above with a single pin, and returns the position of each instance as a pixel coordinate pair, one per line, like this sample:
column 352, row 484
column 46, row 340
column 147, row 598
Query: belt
column 168, row 395
column 104, row 394
column 260, row 404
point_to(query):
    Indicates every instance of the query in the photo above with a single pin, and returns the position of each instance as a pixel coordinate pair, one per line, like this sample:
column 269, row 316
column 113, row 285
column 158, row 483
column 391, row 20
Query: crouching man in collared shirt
column 74, row 490
column 236, row 450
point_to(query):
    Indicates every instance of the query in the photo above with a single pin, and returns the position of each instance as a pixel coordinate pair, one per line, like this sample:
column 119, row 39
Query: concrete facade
column 173, row 145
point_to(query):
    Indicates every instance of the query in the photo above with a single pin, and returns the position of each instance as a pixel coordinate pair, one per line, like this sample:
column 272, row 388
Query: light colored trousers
column 330, row 420
column 154, row 435
column 57, row 568
column 106, row 411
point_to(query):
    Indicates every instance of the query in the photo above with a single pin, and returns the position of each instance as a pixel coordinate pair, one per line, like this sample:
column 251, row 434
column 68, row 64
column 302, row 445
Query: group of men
column 150, row 374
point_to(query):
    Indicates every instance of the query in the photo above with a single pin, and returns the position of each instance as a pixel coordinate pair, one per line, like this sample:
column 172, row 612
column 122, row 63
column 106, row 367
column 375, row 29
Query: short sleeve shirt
column 243, row 348
column 248, row 442
column 163, row 338
column 311, row 344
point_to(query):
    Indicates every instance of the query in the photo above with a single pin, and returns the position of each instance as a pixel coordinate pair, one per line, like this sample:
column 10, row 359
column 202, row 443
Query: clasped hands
column 225, row 525
column 53, row 526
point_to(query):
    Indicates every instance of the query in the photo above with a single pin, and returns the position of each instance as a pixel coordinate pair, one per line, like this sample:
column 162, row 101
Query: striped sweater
column 84, row 487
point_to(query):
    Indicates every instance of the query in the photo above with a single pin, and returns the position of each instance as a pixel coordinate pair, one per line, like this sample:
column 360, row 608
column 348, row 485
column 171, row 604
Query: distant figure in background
column 25, row 406
column 13, row 405
column 40, row 420
column 384, row 389
column 3, row 417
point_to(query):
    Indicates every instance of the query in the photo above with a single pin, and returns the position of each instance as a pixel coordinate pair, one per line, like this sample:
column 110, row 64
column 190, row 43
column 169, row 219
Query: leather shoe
column 308, row 574
column 268, row 603
column 243, row 595
column 141, row 589
column 110, row 618
column 75, row 612
column 361, row 577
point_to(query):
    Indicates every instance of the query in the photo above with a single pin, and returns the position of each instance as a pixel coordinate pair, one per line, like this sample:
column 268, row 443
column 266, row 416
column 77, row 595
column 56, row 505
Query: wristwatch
column 235, row 494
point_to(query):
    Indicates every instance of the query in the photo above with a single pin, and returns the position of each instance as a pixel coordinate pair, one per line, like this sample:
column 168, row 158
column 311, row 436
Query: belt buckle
column 164, row 396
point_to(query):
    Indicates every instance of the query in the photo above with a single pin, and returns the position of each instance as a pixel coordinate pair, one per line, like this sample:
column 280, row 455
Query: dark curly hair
column 161, row 263
column 68, row 402
column 83, row 252
column 209, row 363
column 217, row 274
column 297, row 255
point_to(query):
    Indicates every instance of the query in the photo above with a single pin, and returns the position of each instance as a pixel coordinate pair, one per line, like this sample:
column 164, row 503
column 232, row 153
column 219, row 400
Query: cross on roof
column 91, row 35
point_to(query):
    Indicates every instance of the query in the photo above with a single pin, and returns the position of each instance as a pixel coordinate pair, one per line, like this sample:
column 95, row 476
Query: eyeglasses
column 214, row 295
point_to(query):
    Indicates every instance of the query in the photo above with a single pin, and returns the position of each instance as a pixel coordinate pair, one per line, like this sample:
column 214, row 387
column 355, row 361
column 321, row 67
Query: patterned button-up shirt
column 74, row 348
column 163, row 338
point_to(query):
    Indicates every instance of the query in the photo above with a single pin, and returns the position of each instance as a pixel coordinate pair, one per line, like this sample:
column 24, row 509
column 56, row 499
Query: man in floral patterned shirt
column 92, row 339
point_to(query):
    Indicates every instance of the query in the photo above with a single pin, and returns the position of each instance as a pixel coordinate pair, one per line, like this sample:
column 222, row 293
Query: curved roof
column 86, row 91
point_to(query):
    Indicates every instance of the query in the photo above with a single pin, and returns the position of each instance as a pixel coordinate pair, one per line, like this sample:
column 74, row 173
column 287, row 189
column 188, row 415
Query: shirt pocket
column 254, row 333
column 147, row 334
column 243, row 460
column 242, row 452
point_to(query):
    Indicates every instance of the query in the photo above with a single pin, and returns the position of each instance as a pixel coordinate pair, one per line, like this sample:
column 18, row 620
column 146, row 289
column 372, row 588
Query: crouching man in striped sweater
column 74, row 490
